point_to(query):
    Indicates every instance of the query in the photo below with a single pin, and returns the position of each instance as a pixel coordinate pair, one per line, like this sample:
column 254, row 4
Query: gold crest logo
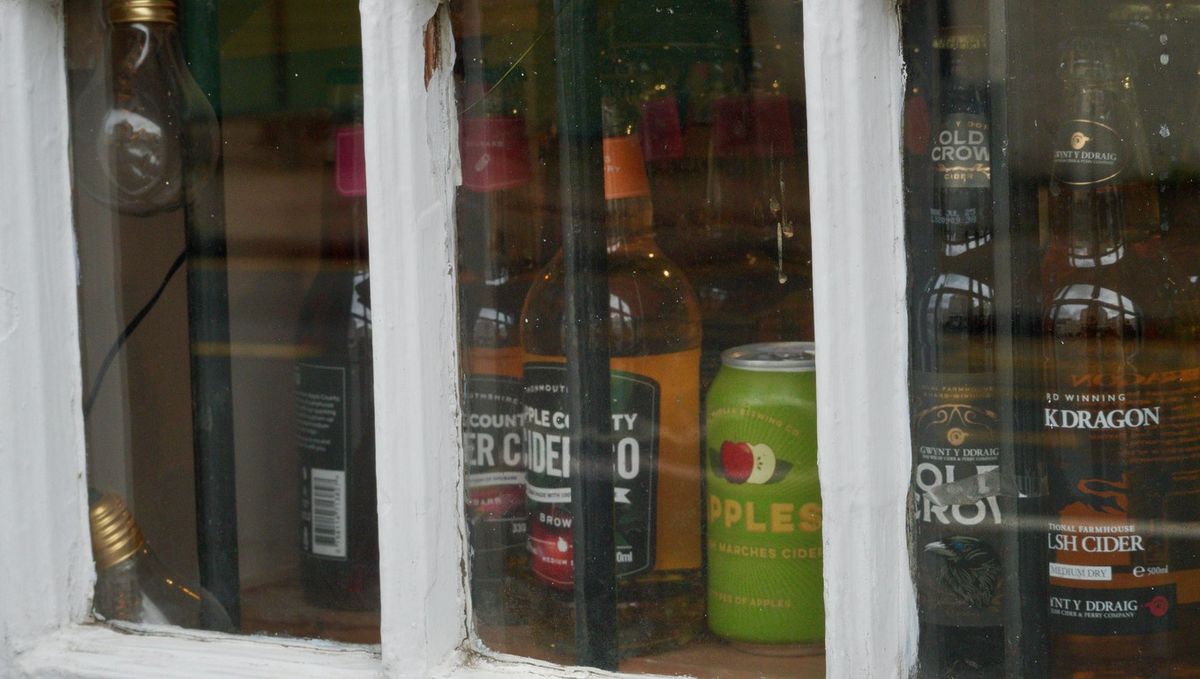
column 1079, row 140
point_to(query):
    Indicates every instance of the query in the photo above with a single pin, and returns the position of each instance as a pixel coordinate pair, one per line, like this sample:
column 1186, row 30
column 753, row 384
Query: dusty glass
column 225, row 314
column 1051, row 184
column 695, row 121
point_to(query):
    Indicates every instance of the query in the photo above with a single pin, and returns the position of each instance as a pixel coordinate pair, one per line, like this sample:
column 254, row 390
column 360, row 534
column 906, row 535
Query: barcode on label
column 329, row 513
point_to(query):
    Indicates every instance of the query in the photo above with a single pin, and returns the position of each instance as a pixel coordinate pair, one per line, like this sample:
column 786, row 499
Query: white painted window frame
column 854, row 81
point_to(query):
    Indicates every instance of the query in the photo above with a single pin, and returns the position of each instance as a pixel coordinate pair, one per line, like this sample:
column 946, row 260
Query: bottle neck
column 345, row 232
column 501, row 239
column 1092, row 230
column 629, row 212
column 1093, row 163
column 1094, row 102
column 498, row 225
column 959, row 240
column 964, row 96
column 629, row 220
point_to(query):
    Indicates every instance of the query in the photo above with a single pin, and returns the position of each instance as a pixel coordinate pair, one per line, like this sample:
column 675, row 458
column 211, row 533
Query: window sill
column 98, row 651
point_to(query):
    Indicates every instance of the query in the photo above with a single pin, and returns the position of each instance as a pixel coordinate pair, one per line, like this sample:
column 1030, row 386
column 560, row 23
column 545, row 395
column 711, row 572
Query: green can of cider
column 764, row 501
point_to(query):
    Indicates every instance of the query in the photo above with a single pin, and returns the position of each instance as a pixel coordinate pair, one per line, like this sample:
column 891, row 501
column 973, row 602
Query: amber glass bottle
column 497, row 237
column 1120, row 392
column 654, row 339
column 334, row 397
column 957, row 548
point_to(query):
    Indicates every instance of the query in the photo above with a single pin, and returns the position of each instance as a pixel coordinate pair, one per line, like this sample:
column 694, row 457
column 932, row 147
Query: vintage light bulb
column 148, row 138
column 133, row 585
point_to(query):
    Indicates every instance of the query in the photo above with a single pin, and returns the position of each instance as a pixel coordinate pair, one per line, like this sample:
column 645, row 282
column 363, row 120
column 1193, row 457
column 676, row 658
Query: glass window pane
column 1051, row 165
column 698, row 131
column 220, row 208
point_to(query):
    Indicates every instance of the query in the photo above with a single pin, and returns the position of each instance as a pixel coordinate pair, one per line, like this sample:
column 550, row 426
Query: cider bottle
column 334, row 393
column 654, row 340
column 497, row 237
column 1120, row 390
column 747, row 226
column 957, row 547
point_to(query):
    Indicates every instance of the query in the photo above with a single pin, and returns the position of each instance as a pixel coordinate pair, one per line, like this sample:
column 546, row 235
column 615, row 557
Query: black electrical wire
column 124, row 336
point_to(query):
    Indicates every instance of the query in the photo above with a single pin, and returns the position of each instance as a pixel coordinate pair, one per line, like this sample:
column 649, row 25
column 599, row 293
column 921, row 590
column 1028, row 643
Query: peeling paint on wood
column 45, row 554
column 433, row 46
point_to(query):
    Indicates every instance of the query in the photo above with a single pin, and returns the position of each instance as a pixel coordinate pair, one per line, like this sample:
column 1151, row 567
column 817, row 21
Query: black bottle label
column 1088, row 153
column 493, row 421
column 548, row 447
column 960, row 154
column 322, row 434
column 958, row 547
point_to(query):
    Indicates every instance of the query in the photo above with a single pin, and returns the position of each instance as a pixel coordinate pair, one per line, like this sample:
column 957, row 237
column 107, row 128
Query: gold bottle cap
column 115, row 535
column 141, row 11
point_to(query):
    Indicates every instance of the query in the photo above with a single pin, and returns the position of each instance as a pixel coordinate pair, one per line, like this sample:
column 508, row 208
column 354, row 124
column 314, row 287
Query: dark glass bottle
column 654, row 339
column 1120, row 393
column 498, row 232
column 735, row 253
column 957, row 547
column 334, row 398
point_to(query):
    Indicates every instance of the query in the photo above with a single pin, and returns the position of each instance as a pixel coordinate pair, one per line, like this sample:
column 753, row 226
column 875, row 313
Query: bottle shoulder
column 1134, row 297
column 490, row 310
column 652, row 307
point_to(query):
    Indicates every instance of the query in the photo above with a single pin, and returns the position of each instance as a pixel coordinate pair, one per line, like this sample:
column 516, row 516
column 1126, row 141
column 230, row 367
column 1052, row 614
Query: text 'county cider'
column 498, row 234
column 654, row 340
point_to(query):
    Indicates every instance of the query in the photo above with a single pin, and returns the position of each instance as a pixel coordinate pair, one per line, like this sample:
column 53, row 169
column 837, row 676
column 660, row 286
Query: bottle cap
column 661, row 130
column 141, row 11
column 350, row 161
column 115, row 535
column 1088, row 58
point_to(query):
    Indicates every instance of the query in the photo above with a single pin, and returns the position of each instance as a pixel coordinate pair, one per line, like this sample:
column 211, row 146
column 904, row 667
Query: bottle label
column 1142, row 610
column 350, row 163
column 493, row 423
column 624, row 170
column 958, row 547
column 1087, row 153
column 323, row 440
column 495, row 153
column 1124, row 467
column 548, row 446
column 661, row 131
column 960, row 154
column 961, row 38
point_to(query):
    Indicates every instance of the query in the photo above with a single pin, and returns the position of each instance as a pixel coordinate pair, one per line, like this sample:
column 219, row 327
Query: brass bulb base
column 142, row 11
column 115, row 535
